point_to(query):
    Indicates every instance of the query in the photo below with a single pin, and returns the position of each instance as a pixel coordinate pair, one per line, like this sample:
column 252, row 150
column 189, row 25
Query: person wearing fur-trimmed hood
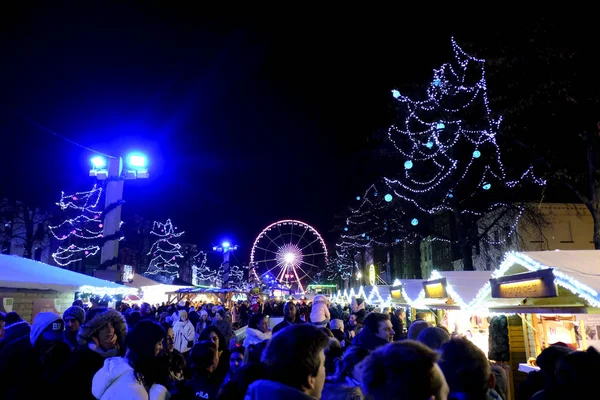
column 102, row 336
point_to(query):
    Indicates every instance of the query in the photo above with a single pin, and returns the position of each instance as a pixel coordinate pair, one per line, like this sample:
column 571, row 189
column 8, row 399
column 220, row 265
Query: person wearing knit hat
column 14, row 328
column 73, row 317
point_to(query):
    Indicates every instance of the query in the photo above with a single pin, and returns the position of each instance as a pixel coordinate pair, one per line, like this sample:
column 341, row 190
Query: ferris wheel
column 289, row 252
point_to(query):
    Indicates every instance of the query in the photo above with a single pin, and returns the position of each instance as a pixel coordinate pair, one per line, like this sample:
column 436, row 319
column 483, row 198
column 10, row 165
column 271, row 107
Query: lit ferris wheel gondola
column 291, row 251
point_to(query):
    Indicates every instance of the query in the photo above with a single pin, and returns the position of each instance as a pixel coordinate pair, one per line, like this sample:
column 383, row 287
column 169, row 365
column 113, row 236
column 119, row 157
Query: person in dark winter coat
column 29, row 363
column 73, row 317
column 14, row 328
column 101, row 337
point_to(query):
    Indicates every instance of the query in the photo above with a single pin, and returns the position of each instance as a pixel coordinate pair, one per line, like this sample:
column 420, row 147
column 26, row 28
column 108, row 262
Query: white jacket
column 184, row 332
column 116, row 381
column 254, row 336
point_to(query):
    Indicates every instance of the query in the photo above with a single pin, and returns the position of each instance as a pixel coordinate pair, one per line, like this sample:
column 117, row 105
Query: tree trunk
column 592, row 141
column 464, row 242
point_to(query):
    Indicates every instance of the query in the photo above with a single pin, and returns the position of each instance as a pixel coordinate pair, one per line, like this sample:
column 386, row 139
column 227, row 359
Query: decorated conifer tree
column 200, row 271
column 165, row 253
column 238, row 277
column 79, row 234
column 450, row 158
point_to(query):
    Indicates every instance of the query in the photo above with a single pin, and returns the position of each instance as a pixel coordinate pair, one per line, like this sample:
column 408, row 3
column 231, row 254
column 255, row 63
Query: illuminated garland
column 451, row 161
column 511, row 258
column 199, row 268
column 165, row 252
column 337, row 267
column 236, row 277
column 81, row 233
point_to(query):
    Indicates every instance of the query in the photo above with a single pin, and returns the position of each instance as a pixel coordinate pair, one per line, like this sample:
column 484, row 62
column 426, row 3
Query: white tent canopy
column 464, row 287
column 22, row 273
column 412, row 288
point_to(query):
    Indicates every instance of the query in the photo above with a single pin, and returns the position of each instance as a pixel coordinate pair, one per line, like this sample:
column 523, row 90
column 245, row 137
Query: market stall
column 449, row 296
column 151, row 291
column 547, row 297
column 30, row 287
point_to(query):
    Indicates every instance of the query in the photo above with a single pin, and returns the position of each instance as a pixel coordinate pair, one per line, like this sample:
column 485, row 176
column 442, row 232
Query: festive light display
column 288, row 252
column 338, row 267
column 164, row 252
column 452, row 160
column 79, row 236
column 511, row 258
column 237, row 277
column 200, row 271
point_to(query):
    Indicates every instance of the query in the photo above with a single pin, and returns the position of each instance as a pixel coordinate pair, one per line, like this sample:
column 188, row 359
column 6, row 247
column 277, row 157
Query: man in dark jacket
column 398, row 324
column 290, row 317
column 377, row 331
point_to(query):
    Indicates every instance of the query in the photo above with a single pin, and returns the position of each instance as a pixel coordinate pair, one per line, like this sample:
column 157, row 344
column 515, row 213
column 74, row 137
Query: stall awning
column 576, row 271
column 411, row 288
column 462, row 289
column 22, row 273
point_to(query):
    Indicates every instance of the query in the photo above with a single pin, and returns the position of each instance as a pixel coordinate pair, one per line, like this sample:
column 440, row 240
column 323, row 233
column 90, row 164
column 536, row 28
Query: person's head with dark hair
column 236, row 358
column 333, row 355
column 548, row 359
column 144, row 344
column 380, row 325
column 290, row 311
column 416, row 377
column 328, row 332
column 213, row 334
column 576, row 373
column 415, row 329
column 294, row 358
column 466, row 368
column 169, row 339
column 420, row 316
column 132, row 318
column 254, row 352
column 347, row 370
column 258, row 322
column 203, row 358
column 237, row 386
column 433, row 337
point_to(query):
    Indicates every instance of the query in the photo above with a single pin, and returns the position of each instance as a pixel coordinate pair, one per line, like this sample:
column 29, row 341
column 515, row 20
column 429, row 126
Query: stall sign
column 396, row 294
column 436, row 289
column 534, row 284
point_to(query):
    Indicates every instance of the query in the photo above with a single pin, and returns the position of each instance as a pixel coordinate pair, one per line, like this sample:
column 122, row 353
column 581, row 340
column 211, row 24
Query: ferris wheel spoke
column 299, row 281
column 272, row 241
column 272, row 268
column 302, row 237
column 311, row 243
column 305, row 273
column 265, row 261
column 313, row 254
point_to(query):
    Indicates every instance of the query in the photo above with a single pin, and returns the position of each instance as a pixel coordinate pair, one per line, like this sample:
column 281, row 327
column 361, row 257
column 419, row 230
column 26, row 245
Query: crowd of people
column 318, row 351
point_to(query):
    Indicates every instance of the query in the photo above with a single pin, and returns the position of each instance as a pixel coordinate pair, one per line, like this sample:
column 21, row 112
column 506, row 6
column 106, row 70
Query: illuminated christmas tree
column 78, row 235
column 237, row 277
column 199, row 268
column 164, row 252
column 338, row 268
column 451, row 159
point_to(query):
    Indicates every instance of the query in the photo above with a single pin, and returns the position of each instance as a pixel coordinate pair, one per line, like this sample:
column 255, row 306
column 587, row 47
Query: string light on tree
column 452, row 161
column 78, row 236
column 164, row 252
column 200, row 271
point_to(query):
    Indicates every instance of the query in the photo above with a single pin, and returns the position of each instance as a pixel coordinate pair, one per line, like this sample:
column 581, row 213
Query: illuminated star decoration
column 451, row 160
column 165, row 252
column 78, row 235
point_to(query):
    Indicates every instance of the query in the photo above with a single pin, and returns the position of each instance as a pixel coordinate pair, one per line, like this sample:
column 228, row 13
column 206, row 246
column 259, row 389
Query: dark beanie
column 144, row 336
column 75, row 312
column 433, row 337
column 416, row 328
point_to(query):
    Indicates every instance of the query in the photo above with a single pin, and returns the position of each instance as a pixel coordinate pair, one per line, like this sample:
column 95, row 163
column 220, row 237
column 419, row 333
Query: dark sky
column 247, row 120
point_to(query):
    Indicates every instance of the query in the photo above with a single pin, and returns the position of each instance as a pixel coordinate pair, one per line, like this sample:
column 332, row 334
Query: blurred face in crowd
column 316, row 383
column 439, row 382
column 71, row 325
column 263, row 325
column 169, row 343
column 158, row 348
column 183, row 317
column 107, row 338
column 352, row 320
column 386, row 331
column 290, row 312
column 215, row 363
column 213, row 337
column 146, row 309
column 236, row 360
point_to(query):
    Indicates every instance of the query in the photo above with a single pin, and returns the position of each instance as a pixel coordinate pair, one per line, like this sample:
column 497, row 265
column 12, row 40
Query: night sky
column 246, row 120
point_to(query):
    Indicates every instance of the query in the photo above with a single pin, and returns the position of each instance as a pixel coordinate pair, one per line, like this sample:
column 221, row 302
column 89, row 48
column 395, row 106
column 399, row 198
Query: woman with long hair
column 138, row 375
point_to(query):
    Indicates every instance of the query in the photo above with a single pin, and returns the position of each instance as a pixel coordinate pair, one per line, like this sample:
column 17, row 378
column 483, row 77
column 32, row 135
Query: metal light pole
column 226, row 248
column 111, row 170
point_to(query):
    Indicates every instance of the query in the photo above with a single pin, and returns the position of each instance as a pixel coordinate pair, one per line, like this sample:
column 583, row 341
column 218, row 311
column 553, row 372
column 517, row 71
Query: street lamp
column 111, row 170
column 226, row 248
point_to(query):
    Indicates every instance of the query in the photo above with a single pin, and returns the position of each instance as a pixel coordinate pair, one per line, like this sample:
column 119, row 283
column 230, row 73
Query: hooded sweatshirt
column 116, row 380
